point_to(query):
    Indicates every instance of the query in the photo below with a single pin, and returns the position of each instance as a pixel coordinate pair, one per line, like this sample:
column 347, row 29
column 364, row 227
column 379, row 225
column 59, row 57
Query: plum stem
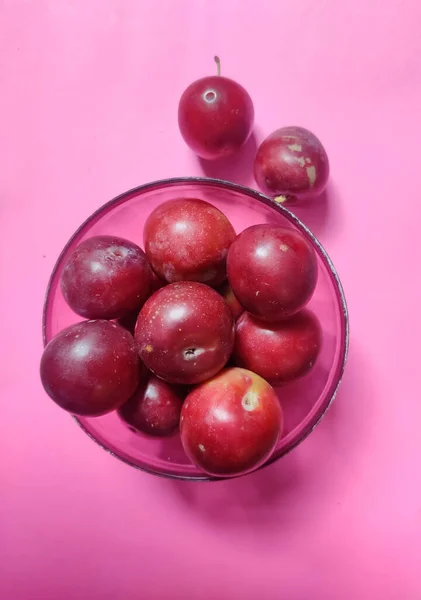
column 280, row 199
column 288, row 199
column 218, row 65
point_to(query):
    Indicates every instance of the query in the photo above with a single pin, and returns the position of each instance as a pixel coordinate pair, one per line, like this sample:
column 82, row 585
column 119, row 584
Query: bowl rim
column 256, row 195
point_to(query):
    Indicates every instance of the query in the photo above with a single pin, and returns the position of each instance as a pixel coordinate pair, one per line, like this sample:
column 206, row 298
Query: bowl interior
column 303, row 401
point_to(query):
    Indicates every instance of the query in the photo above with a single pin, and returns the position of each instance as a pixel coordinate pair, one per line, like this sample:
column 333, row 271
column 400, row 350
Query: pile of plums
column 189, row 334
column 192, row 332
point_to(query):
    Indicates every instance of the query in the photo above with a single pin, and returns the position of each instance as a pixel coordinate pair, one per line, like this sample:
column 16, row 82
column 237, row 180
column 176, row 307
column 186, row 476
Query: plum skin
column 228, row 295
column 187, row 239
column 154, row 409
column 291, row 163
column 106, row 277
column 215, row 116
column 272, row 271
column 90, row 368
column 129, row 320
column 278, row 352
column 185, row 333
column 231, row 424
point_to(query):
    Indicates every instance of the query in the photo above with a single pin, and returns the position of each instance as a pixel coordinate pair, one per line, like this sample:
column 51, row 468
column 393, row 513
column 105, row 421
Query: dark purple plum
column 154, row 409
column 106, row 277
column 91, row 368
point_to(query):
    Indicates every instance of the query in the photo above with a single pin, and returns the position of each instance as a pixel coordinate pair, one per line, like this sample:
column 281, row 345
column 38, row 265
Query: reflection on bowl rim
column 207, row 181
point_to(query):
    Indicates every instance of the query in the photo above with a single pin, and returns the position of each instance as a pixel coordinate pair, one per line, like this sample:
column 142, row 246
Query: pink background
column 88, row 99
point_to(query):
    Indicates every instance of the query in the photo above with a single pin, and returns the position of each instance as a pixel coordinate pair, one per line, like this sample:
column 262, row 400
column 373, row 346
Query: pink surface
column 88, row 100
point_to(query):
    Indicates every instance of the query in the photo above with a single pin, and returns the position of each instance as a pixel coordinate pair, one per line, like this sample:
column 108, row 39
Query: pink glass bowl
column 304, row 402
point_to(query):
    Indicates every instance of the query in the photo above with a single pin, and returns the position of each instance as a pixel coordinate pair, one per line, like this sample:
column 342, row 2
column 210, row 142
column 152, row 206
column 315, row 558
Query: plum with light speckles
column 106, row 277
column 291, row 164
column 272, row 271
column 215, row 116
column 230, row 424
column 187, row 239
column 278, row 352
column 185, row 333
column 91, row 368
column 154, row 409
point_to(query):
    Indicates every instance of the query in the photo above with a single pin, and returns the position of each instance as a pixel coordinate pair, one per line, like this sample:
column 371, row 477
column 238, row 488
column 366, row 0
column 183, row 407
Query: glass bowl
column 304, row 401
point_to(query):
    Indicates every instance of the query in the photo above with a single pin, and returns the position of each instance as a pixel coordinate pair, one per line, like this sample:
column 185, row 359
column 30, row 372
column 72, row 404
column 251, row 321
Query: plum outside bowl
column 304, row 402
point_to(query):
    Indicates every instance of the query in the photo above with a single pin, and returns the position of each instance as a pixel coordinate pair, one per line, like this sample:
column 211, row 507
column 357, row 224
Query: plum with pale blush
column 278, row 352
column 187, row 239
column 291, row 164
column 185, row 333
column 106, row 277
column 230, row 424
column 154, row 409
column 228, row 295
column 215, row 116
column 272, row 271
column 91, row 368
